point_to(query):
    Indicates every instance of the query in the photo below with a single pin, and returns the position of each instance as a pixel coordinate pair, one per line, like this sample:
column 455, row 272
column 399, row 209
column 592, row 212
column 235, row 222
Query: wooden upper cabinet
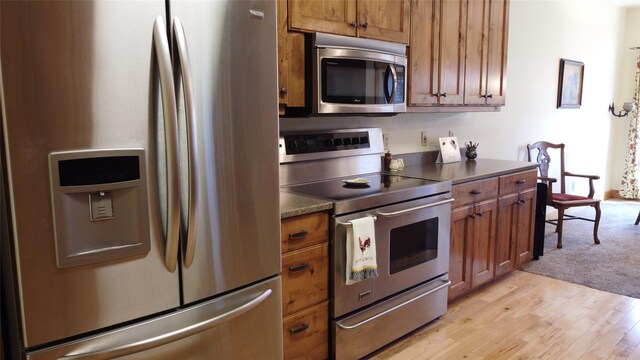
column 437, row 52
column 291, row 62
column 486, row 63
column 375, row 19
column 384, row 20
column 329, row 16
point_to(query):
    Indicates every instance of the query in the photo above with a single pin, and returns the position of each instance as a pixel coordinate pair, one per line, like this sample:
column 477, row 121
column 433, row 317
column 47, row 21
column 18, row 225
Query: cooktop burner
column 370, row 190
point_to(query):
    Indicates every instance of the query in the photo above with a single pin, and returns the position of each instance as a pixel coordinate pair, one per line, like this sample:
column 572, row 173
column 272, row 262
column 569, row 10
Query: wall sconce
column 626, row 109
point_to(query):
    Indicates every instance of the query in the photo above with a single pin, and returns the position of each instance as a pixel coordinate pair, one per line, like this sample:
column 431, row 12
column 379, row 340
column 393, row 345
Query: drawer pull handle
column 298, row 235
column 299, row 267
column 521, row 181
column 520, row 202
column 298, row 329
column 476, row 192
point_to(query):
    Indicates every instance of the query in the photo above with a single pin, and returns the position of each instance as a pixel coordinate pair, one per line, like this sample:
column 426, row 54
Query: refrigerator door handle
column 146, row 344
column 190, row 111
column 169, row 109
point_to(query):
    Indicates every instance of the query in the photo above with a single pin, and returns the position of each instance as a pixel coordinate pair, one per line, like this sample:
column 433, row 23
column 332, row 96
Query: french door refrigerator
column 140, row 204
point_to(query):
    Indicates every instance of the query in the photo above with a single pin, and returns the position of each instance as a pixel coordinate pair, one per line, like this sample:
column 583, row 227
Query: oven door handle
column 402, row 212
column 351, row 327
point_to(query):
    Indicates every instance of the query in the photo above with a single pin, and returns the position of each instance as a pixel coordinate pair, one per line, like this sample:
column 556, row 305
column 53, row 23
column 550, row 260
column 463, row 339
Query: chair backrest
column 544, row 159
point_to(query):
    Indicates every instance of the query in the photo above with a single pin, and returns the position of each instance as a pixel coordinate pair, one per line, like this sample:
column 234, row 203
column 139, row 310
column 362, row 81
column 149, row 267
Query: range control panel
column 313, row 143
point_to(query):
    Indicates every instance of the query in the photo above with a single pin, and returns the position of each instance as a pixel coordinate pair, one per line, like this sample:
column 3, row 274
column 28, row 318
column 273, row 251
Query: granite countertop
column 294, row 205
column 465, row 170
column 458, row 172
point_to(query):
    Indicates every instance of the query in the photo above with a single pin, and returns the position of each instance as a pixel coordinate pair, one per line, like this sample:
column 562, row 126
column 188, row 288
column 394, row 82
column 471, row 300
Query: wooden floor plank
column 528, row 316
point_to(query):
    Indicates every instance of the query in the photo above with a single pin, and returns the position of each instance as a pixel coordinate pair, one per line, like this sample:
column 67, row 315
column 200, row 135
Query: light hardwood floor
column 528, row 316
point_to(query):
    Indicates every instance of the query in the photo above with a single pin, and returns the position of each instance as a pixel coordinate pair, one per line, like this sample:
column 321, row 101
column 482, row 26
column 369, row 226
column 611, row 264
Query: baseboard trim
column 612, row 194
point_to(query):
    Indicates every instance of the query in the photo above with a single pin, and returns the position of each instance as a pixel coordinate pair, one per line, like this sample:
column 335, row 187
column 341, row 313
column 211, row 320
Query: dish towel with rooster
column 361, row 250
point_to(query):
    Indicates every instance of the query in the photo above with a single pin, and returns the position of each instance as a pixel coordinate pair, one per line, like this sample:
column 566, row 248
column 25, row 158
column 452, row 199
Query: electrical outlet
column 423, row 138
column 385, row 141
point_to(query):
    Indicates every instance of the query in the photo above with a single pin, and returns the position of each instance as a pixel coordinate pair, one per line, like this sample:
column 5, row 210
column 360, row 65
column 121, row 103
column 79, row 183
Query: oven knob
column 355, row 140
column 337, row 142
column 364, row 140
column 347, row 141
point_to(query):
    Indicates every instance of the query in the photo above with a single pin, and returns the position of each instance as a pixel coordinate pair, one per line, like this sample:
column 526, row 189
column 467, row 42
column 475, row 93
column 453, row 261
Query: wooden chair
column 561, row 200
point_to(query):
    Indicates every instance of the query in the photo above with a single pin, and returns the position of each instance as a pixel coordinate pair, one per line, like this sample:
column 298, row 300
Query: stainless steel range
column 412, row 225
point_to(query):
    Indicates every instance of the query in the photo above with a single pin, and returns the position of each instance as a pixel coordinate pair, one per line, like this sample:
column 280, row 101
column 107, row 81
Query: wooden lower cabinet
column 472, row 246
column 305, row 282
column 492, row 224
column 306, row 333
column 516, row 211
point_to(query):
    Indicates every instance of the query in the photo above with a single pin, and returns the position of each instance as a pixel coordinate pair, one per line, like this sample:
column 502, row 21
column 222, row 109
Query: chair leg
column 559, row 226
column 638, row 218
column 596, row 224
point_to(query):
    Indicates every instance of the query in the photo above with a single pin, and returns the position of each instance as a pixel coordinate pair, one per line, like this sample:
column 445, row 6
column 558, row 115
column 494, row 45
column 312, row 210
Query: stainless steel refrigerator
column 140, row 209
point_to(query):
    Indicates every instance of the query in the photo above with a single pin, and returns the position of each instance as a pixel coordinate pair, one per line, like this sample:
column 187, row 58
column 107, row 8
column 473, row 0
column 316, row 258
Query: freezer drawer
column 241, row 325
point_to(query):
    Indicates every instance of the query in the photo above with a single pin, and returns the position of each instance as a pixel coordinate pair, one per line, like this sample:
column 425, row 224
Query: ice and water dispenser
column 100, row 205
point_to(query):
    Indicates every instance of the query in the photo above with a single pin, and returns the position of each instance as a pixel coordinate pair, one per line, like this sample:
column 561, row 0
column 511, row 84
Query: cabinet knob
column 490, row 96
column 443, row 94
column 283, row 91
column 354, row 24
column 365, row 26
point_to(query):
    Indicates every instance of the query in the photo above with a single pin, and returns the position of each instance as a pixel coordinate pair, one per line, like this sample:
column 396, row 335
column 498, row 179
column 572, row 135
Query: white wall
column 540, row 33
column 624, row 92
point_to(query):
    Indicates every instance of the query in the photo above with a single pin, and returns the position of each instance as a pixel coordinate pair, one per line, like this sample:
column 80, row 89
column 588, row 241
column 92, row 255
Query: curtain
column 629, row 187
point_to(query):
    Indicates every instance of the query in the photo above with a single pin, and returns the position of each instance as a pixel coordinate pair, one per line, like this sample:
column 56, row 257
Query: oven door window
column 351, row 81
column 413, row 244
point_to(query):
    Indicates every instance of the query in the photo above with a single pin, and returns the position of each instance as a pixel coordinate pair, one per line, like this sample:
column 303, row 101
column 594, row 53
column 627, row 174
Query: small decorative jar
column 471, row 150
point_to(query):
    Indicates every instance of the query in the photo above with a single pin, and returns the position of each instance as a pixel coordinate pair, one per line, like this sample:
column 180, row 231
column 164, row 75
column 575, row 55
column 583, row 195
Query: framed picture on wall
column 570, row 84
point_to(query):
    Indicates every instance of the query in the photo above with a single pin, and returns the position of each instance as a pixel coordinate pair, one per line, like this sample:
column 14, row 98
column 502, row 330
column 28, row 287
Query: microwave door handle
column 394, row 84
column 190, row 111
column 169, row 111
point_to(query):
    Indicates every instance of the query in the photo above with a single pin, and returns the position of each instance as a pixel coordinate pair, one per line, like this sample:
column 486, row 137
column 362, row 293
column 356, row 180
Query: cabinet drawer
column 475, row 191
column 301, row 231
column 517, row 182
column 306, row 333
column 305, row 277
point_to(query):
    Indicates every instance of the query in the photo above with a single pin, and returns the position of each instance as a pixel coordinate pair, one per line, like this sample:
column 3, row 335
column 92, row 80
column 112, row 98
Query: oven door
column 412, row 247
column 355, row 81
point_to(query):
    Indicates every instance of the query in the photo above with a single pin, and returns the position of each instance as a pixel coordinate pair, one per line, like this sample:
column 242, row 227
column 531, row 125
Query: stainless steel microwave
column 353, row 75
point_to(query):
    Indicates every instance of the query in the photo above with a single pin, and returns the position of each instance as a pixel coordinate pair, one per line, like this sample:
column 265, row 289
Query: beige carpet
column 612, row 266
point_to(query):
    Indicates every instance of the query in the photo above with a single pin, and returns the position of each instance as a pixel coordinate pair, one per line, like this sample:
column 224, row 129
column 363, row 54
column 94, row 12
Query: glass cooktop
column 370, row 190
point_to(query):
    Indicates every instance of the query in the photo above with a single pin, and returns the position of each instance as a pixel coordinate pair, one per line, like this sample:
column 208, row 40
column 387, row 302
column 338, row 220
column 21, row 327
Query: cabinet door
column 497, row 52
column 291, row 91
column 515, row 231
column 328, row 16
column 453, row 19
column 384, row 20
column 484, row 221
column 526, row 222
column 459, row 254
column 507, row 229
column 423, row 59
column 437, row 54
column 486, row 52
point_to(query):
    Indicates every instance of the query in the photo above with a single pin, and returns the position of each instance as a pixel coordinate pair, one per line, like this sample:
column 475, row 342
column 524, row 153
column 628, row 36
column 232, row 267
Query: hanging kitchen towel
column 361, row 250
